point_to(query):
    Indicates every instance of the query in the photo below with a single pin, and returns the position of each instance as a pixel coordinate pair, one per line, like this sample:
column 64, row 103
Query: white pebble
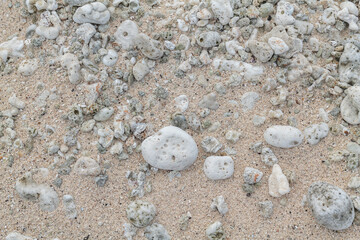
column 219, row 167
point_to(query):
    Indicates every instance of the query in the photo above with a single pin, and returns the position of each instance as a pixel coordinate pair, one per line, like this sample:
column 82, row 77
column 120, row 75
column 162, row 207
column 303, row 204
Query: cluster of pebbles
column 109, row 52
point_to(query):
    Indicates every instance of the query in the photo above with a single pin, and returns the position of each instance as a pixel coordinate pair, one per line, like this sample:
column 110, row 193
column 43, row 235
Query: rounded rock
column 283, row 136
column 252, row 175
column 219, row 167
column 87, row 166
column 126, row 34
column 140, row 213
column 331, row 206
column 350, row 106
column 278, row 45
column 171, row 148
column 111, row 58
column 96, row 13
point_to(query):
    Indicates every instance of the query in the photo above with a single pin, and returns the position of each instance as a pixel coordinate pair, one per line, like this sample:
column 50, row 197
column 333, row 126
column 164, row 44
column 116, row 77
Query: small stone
column 219, row 204
column 126, row 34
column 208, row 39
column 87, row 166
column 215, row 232
column 211, row 145
column 222, row 10
column 278, row 183
column 140, row 70
column 101, row 180
column 28, row 67
column 129, row 231
column 219, row 167
column 261, row 50
column 266, row 209
column 350, row 106
column 268, row 157
column 258, row 120
column 182, row 103
column 140, row 213
column 184, row 221
column 16, row 102
column 248, row 100
column 110, row 58
column 283, row 136
column 170, row 148
column 179, row 120
column 209, row 101
column 316, row 132
column 278, row 45
column 330, row 206
column 156, row 231
column 17, row 236
column 252, row 175
column 353, row 147
column 161, row 92
column 88, row 126
column 69, row 206
column 232, row 136
column 96, row 13
column 354, row 182
column 104, row 114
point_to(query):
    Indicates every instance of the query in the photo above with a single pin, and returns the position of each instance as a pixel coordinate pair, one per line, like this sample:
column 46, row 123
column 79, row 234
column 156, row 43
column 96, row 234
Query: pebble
column 72, row 64
column 104, row 114
column 17, row 236
column 149, row 47
column 222, row 10
column 215, row 231
column 16, row 102
column 252, row 175
column 110, row 58
column 96, row 13
column 171, row 148
column 261, row 50
column 284, row 13
column 181, row 103
column 88, row 126
column 126, row 34
column 356, row 202
column 211, row 145
column 350, row 106
column 266, row 209
column 330, row 206
column 218, row 167
column 278, row 45
column 248, row 100
column 258, row 120
column 69, row 206
column 316, row 132
column 278, row 183
column 129, row 231
column 354, row 182
column 283, row 136
column 87, row 167
column 140, row 213
column 209, row 101
column 208, row 39
column 232, row 136
column 28, row 67
column 101, row 180
column 156, row 231
column 30, row 190
column 140, row 70
column 220, row 205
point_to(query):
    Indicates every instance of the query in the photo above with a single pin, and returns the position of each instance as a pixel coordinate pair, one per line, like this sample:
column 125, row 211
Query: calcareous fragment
column 171, row 148
column 218, row 167
column 283, row 136
column 330, row 205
